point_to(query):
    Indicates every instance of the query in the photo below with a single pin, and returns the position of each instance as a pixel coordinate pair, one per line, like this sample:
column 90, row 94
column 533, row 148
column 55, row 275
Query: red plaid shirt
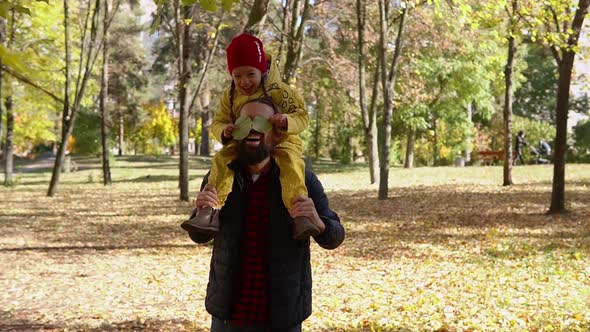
column 251, row 297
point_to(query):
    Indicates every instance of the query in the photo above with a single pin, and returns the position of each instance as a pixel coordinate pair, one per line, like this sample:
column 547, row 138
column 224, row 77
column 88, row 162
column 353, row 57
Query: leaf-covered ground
column 451, row 250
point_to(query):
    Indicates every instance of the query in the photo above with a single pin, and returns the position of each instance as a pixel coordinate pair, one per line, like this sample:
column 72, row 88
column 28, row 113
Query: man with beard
column 260, row 277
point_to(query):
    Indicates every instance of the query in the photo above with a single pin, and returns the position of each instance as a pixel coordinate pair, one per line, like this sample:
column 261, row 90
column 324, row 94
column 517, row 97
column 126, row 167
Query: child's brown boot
column 205, row 221
column 303, row 228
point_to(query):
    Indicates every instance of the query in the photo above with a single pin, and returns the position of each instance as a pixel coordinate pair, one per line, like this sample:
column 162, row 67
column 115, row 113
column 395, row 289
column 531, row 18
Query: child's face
column 247, row 79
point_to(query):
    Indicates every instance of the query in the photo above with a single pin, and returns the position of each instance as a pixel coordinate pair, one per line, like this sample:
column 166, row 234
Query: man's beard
column 248, row 155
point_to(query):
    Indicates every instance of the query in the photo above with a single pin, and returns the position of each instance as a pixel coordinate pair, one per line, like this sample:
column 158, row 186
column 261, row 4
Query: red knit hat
column 246, row 50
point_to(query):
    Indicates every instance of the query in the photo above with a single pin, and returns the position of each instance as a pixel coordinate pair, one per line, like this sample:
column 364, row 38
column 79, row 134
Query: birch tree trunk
column 121, row 132
column 469, row 135
column 409, row 162
column 435, row 148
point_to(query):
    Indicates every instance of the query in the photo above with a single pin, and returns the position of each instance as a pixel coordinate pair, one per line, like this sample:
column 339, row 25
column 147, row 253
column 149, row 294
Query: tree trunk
column 388, row 83
column 508, row 95
column 203, row 75
column 8, row 149
column 295, row 39
column 318, row 128
column 65, row 127
column 435, row 150
column 285, row 19
column 183, row 81
column 2, row 40
column 70, row 112
column 257, row 17
column 370, row 139
column 121, row 133
column 372, row 134
column 565, row 76
column 104, row 129
column 9, row 144
column 1, row 114
column 409, row 162
column 205, row 121
column 468, row 135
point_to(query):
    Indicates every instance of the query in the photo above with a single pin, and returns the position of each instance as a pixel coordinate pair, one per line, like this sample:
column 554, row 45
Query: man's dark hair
column 520, row 132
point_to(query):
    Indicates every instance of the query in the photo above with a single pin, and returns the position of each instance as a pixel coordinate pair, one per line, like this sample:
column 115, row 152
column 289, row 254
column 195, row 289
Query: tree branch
column 28, row 81
column 206, row 66
column 555, row 19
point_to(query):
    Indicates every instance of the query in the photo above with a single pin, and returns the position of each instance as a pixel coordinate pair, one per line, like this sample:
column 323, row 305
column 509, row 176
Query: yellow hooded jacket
column 287, row 100
column 287, row 154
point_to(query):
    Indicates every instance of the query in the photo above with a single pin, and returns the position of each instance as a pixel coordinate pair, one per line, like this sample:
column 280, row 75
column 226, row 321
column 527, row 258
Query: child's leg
column 292, row 167
column 221, row 177
column 288, row 157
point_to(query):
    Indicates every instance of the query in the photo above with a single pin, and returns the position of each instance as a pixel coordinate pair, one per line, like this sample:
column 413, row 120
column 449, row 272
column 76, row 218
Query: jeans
column 218, row 325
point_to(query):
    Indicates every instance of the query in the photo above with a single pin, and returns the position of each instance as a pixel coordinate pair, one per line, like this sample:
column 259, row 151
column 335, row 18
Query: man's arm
column 333, row 235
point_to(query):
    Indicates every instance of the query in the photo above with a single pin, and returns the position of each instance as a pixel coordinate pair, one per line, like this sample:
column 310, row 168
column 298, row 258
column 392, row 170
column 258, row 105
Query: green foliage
column 535, row 130
column 208, row 5
column 11, row 59
column 536, row 96
column 86, row 134
column 492, row 138
column 582, row 135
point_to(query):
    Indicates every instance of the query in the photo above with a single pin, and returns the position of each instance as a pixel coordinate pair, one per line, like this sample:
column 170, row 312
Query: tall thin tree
column 513, row 18
column 183, row 27
column 206, row 120
column 90, row 46
column 388, row 82
column 8, row 103
column 300, row 13
column 368, row 115
column 103, row 100
column 2, row 39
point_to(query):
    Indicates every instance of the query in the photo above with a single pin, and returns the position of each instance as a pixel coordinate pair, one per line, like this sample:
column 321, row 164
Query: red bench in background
column 490, row 157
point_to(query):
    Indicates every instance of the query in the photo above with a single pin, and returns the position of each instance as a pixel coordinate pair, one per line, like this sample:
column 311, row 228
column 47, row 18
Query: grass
column 451, row 250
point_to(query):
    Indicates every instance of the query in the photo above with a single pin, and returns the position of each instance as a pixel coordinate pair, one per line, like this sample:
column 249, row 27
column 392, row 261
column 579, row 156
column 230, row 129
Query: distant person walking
column 519, row 144
column 544, row 155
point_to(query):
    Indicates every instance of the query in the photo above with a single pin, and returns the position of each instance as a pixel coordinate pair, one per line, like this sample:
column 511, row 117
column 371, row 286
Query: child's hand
column 279, row 120
column 228, row 130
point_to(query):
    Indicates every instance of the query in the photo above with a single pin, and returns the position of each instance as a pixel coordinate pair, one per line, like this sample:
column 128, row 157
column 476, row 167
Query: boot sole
column 306, row 234
column 201, row 229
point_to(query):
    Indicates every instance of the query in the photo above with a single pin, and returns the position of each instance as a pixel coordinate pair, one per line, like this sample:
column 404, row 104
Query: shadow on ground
column 427, row 216
column 442, row 216
column 154, row 325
